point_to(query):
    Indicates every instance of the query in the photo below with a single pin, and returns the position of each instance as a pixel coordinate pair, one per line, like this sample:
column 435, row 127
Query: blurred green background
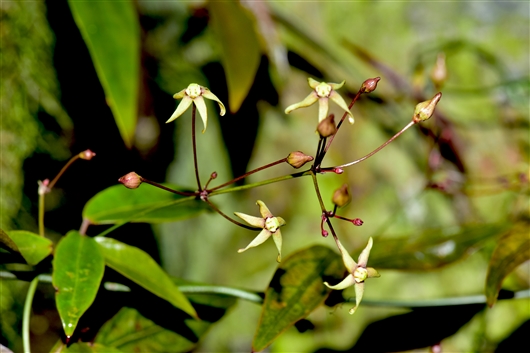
column 470, row 165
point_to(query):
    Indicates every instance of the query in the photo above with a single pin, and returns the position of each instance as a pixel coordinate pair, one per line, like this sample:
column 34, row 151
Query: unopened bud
column 131, row 180
column 87, row 155
column 357, row 222
column 43, row 186
column 213, row 175
column 341, row 196
column 338, row 170
column 439, row 71
column 425, row 110
column 327, row 126
column 297, row 159
column 370, row 85
column 324, row 233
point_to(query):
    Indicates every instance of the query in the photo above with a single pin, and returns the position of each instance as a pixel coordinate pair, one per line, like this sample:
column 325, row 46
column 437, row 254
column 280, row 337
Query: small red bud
column 370, row 85
column 214, row 175
column 324, row 233
column 297, row 159
column 338, row 170
column 357, row 222
column 131, row 180
column 87, row 155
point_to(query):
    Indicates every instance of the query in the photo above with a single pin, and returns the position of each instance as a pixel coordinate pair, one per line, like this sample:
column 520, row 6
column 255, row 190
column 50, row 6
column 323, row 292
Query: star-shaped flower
column 322, row 92
column 270, row 225
column 195, row 93
column 358, row 272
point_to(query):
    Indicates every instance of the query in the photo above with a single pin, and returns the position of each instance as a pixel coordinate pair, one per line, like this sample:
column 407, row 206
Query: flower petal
column 182, row 107
column 312, row 82
column 372, row 272
column 345, row 283
column 346, row 258
column 208, row 94
column 323, row 108
column 260, row 239
column 257, row 222
column 277, row 237
column 263, row 209
column 309, row 100
column 363, row 258
column 201, row 107
column 180, row 94
column 341, row 103
column 359, row 291
column 336, row 85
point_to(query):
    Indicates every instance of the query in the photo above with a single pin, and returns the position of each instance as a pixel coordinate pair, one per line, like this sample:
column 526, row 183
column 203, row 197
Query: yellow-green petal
column 323, row 108
column 372, row 272
column 336, row 86
column 264, row 210
column 253, row 221
column 363, row 258
column 208, row 94
column 180, row 94
column 277, row 237
column 201, row 107
column 334, row 96
column 181, row 108
column 260, row 239
column 345, row 283
column 349, row 263
column 359, row 291
column 312, row 82
column 309, row 100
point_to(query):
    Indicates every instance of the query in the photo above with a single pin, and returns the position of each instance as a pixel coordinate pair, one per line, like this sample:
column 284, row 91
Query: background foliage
column 444, row 192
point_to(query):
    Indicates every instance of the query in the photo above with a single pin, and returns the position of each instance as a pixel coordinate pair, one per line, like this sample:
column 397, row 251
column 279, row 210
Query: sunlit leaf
column 83, row 347
column 431, row 249
column 130, row 331
column 7, row 243
column 31, row 246
column 112, row 34
column 296, row 289
column 512, row 250
column 145, row 204
column 239, row 45
column 78, row 267
column 139, row 267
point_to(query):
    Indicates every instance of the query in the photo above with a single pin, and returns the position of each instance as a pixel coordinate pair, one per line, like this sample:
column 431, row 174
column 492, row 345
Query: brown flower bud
column 131, row 180
column 370, row 85
column 87, row 155
column 297, row 159
column 439, row 71
column 341, row 196
column 425, row 110
column 327, row 126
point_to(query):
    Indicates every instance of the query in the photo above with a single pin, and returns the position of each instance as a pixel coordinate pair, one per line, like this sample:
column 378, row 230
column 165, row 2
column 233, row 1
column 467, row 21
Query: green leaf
column 296, row 289
column 512, row 250
column 78, row 267
column 145, row 204
column 31, row 246
column 431, row 249
column 139, row 267
column 7, row 243
column 112, row 34
column 129, row 331
column 240, row 49
column 83, row 347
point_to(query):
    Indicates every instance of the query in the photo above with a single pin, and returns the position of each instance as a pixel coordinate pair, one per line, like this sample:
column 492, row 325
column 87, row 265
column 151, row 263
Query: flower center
column 272, row 224
column 193, row 90
column 360, row 274
column 323, row 90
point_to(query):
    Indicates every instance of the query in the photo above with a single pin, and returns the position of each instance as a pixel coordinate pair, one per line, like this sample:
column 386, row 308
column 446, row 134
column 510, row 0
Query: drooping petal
column 181, row 108
column 312, row 82
column 253, row 221
column 277, row 237
column 180, row 94
column 309, row 100
column 363, row 258
column 372, row 272
column 359, row 291
column 323, row 108
column 345, row 283
column 281, row 220
column 349, row 263
column 263, row 209
column 208, row 94
column 336, row 86
column 201, row 107
column 341, row 103
column 260, row 239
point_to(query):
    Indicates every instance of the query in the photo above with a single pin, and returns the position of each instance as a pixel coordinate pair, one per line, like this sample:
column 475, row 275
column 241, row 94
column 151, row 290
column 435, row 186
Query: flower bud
column 131, row 180
column 439, row 71
column 213, row 175
column 338, row 170
column 370, row 85
column 341, row 196
column 297, row 159
column 327, row 127
column 357, row 222
column 87, row 155
column 425, row 110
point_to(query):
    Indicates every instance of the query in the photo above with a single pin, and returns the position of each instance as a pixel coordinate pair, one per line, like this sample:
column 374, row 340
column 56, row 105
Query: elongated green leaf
column 78, row 267
column 112, row 34
column 7, row 243
column 431, row 249
column 145, row 204
column 512, row 250
column 240, row 50
column 296, row 289
column 139, row 267
column 131, row 332
column 31, row 246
